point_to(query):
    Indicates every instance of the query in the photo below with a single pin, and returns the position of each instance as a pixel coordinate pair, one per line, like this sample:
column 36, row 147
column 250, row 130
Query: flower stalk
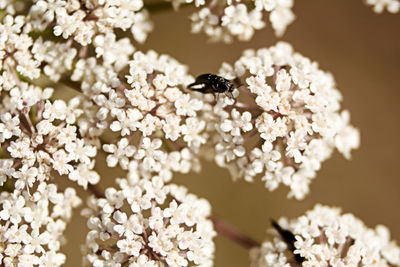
column 233, row 234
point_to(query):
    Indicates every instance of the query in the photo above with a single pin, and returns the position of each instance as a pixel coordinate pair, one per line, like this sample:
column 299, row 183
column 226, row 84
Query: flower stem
column 234, row 234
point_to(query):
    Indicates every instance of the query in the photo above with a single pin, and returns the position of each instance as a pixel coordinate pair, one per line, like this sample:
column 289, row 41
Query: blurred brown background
column 362, row 50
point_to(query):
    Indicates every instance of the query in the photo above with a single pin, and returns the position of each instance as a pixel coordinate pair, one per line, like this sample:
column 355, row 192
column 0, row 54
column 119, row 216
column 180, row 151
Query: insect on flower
column 289, row 238
column 211, row 83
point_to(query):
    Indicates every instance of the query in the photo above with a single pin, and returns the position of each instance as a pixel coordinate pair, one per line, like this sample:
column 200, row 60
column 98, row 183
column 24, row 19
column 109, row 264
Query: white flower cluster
column 21, row 54
column 15, row 52
column 284, row 121
column 147, row 223
column 50, row 143
column 393, row 6
column 32, row 226
column 223, row 20
column 157, row 121
column 38, row 136
column 83, row 20
column 324, row 237
column 56, row 58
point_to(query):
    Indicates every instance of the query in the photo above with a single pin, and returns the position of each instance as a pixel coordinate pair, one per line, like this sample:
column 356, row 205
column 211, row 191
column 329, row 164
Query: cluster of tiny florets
column 392, row 6
column 32, row 226
column 37, row 149
column 15, row 52
column 39, row 137
column 156, row 121
column 83, row 20
column 56, row 58
column 147, row 223
column 284, row 121
column 325, row 237
column 224, row 20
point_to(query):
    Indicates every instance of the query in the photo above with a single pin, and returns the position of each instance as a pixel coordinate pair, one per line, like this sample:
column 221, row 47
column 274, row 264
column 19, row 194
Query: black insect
column 211, row 83
column 289, row 239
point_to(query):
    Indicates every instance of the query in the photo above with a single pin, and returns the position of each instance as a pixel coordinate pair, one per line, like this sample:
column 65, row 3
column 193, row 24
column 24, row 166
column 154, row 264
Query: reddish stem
column 234, row 234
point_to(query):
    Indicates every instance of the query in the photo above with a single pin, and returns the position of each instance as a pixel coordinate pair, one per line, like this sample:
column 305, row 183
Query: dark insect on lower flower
column 211, row 83
column 289, row 239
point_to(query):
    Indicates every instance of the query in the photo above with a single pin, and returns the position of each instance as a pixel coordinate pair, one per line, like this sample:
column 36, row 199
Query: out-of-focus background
column 362, row 50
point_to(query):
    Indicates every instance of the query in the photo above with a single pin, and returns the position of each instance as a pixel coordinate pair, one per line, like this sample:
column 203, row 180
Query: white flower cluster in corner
column 32, row 226
column 156, row 122
column 83, row 20
column 284, row 121
column 392, row 6
column 325, row 237
column 147, row 223
column 223, row 20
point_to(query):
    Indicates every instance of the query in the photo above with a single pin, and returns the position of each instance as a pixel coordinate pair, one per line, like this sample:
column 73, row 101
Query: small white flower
column 171, row 127
column 240, row 22
column 186, row 106
column 9, row 126
column 84, row 175
column 120, row 153
column 20, row 148
column 25, row 177
column 192, row 132
column 149, row 124
column 127, row 121
column 60, row 162
column 81, row 151
column 129, row 247
column 150, row 153
column 239, row 122
column 67, row 135
column 56, row 110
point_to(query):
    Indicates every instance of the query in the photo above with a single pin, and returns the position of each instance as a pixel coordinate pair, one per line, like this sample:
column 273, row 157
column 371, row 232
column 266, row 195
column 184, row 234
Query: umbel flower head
column 38, row 137
column 156, row 122
column 147, row 223
column 83, row 20
column 325, row 237
column 224, row 20
column 283, row 121
column 32, row 226
column 40, row 140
